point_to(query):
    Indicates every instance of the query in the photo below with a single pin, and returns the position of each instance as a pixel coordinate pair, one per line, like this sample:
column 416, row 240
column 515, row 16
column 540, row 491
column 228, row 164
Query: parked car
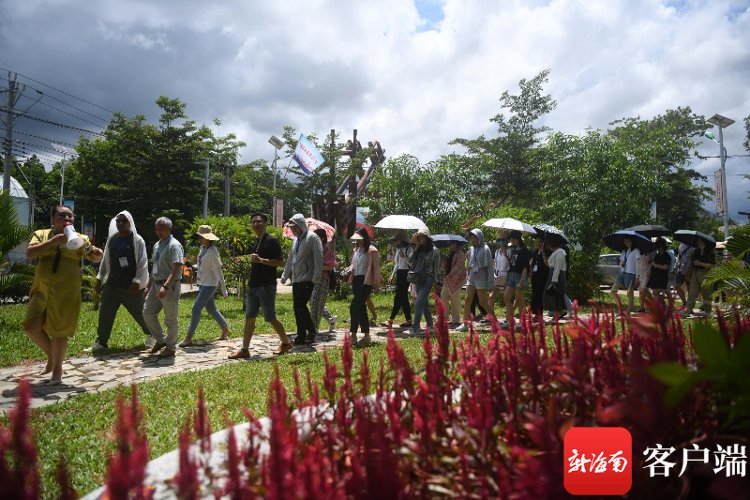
column 608, row 268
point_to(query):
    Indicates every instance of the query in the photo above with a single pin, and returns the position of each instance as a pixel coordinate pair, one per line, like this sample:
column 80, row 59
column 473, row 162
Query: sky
column 413, row 74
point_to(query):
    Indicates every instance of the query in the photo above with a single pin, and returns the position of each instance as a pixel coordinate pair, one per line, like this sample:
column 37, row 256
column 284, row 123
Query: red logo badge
column 598, row 461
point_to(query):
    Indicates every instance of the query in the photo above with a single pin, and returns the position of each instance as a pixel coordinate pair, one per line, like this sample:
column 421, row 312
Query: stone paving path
column 95, row 373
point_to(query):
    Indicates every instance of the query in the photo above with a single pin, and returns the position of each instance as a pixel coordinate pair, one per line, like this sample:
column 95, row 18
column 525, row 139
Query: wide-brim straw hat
column 205, row 231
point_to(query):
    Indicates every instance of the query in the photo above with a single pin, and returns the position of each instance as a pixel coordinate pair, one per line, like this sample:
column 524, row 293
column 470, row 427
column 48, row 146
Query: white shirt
column 630, row 258
column 359, row 262
column 209, row 267
column 402, row 257
column 502, row 264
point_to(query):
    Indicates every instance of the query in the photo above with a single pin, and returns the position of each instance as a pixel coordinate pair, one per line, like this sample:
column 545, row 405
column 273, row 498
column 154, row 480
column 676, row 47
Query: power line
column 58, row 90
column 50, row 122
column 66, row 112
column 42, row 138
column 51, row 150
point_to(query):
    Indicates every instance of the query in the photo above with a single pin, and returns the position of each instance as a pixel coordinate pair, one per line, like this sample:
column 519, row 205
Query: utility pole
column 227, row 187
column 205, row 195
column 13, row 94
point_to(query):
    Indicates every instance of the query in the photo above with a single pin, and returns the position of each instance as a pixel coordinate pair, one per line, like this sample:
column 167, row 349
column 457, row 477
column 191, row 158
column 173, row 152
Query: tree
column 508, row 161
column 600, row 185
column 668, row 140
column 12, row 233
column 45, row 189
column 150, row 170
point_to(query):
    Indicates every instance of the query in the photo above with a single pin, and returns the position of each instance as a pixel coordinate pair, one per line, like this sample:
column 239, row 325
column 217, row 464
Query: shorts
column 627, row 280
column 479, row 281
column 515, row 282
column 261, row 297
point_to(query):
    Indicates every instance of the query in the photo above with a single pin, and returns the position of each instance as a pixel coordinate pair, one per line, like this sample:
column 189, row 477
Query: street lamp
column 277, row 144
column 722, row 122
column 65, row 152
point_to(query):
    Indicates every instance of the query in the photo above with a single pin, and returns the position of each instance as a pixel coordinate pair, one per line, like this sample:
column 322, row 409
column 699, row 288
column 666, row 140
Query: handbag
column 417, row 274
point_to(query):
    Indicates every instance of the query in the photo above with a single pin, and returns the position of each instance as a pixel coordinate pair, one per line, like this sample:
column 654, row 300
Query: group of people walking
column 655, row 274
column 124, row 279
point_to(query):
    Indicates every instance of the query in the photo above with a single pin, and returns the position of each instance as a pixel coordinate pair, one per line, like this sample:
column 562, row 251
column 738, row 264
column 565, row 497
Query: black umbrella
column 650, row 230
column 616, row 241
column 444, row 240
column 551, row 233
column 691, row 238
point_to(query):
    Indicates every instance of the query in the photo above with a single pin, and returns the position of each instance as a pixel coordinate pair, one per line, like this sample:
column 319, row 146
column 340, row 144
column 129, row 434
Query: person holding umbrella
column 703, row 259
column 518, row 272
column 659, row 277
column 627, row 275
column 425, row 274
column 400, row 270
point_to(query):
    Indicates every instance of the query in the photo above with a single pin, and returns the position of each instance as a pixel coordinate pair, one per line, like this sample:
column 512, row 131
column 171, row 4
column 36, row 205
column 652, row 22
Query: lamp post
column 66, row 151
column 277, row 144
column 722, row 122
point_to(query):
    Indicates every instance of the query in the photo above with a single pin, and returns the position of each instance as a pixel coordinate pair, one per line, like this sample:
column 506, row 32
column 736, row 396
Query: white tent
column 21, row 201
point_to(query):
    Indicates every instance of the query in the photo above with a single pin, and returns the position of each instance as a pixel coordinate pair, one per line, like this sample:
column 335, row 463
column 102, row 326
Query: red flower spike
column 186, row 480
column 64, row 481
column 19, row 466
column 126, row 468
column 201, row 423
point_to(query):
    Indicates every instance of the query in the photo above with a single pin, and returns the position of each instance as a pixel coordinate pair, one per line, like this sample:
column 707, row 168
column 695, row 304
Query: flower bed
column 484, row 418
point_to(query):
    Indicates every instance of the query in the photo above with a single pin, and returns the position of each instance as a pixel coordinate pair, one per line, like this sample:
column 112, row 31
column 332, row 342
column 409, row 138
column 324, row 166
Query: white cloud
column 394, row 70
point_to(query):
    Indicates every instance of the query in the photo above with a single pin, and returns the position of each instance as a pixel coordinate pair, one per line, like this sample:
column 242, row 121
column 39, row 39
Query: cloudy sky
column 412, row 73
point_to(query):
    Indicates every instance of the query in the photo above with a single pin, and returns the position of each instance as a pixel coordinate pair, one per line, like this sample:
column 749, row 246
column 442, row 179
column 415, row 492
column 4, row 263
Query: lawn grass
column 81, row 427
column 15, row 346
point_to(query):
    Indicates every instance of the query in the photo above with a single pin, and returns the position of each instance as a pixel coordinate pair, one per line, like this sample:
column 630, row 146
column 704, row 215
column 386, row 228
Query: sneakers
column 97, row 347
column 166, row 353
column 300, row 340
column 405, row 324
column 364, row 341
column 332, row 324
column 241, row 354
column 462, row 328
column 150, row 342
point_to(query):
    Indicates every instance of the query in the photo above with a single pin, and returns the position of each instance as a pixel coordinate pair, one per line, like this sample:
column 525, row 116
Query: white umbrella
column 509, row 224
column 401, row 222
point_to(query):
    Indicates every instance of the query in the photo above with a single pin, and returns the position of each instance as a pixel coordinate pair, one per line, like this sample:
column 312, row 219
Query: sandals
column 284, row 348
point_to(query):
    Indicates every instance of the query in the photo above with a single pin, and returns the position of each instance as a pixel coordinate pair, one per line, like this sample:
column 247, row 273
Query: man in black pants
column 303, row 267
column 400, row 270
column 124, row 272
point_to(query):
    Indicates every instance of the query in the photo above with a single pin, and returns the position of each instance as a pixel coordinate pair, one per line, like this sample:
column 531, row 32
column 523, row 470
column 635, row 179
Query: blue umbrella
column 444, row 240
column 616, row 241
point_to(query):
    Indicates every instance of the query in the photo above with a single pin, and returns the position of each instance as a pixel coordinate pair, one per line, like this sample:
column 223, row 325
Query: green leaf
column 670, row 373
column 710, row 346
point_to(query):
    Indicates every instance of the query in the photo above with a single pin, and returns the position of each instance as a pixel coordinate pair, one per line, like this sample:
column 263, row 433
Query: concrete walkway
column 95, row 373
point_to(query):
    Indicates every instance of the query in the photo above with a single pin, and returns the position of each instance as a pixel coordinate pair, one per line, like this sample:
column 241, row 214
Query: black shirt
column 268, row 247
column 121, row 277
column 708, row 256
column 519, row 260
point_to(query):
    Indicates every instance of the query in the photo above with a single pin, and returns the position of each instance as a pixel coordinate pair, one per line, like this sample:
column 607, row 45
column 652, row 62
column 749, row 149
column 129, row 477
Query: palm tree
column 12, row 233
column 733, row 276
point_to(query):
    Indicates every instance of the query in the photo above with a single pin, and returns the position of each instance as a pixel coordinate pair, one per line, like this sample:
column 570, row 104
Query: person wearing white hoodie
column 123, row 273
column 481, row 277
column 303, row 268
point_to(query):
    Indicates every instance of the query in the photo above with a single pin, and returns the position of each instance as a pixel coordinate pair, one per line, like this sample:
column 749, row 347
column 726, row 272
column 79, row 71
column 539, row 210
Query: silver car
column 608, row 268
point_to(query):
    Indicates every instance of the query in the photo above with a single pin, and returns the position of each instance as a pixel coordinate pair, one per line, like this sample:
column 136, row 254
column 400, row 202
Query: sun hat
column 205, row 231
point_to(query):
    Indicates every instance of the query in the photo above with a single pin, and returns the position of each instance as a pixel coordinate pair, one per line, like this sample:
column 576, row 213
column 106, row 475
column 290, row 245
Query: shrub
column 483, row 418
